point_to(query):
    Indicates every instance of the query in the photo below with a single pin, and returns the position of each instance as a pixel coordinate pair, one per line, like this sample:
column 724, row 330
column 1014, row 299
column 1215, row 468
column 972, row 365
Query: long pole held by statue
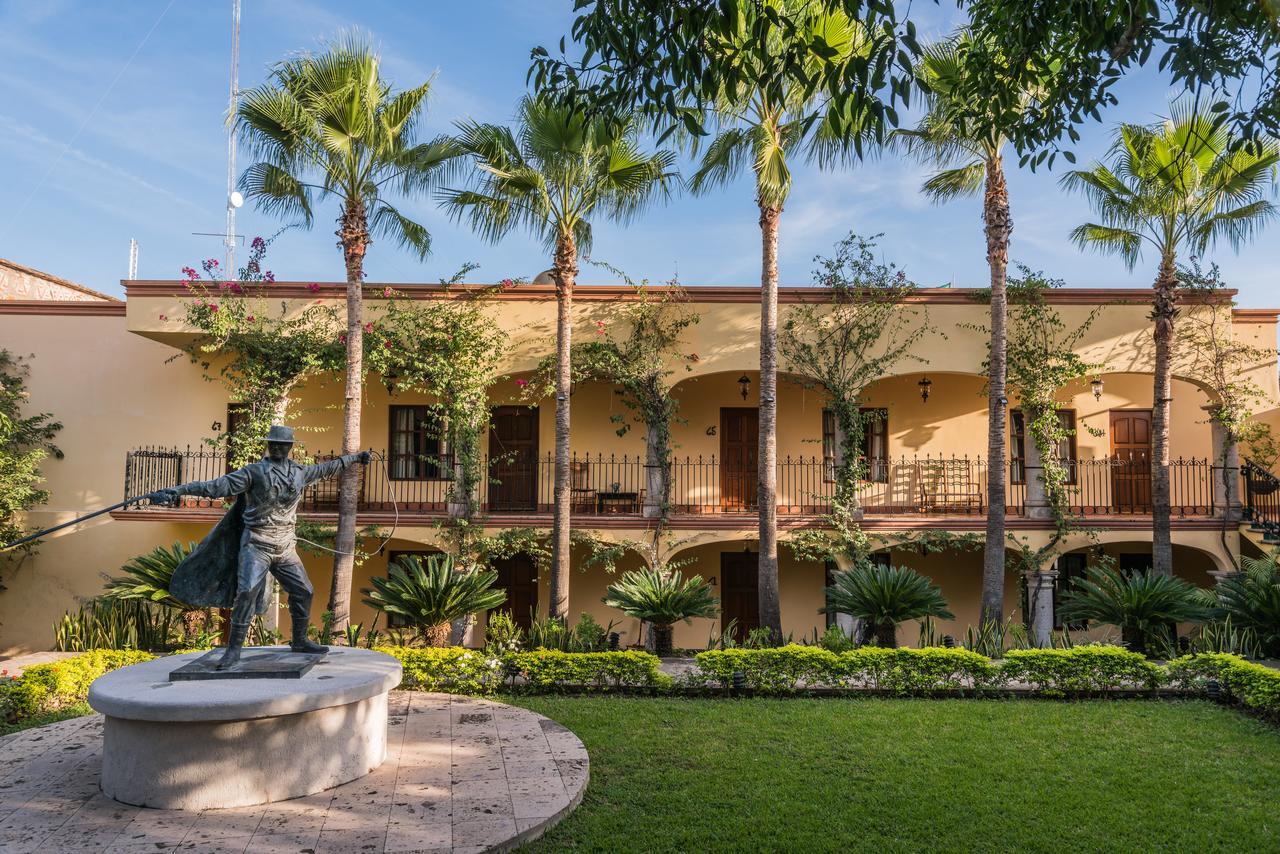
column 76, row 521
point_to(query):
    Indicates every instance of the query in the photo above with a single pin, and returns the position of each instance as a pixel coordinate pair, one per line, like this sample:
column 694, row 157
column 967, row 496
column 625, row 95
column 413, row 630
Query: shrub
column 449, row 670
column 1081, row 669
column 770, row 670
column 1254, row 686
column 430, row 594
column 551, row 669
column 1251, row 600
column 918, row 671
column 662, row 597
column 885, row 596
column 1146, row 606
column 49, row 687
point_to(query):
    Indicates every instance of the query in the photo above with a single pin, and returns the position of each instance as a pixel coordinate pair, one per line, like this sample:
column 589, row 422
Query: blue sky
column 97, row 149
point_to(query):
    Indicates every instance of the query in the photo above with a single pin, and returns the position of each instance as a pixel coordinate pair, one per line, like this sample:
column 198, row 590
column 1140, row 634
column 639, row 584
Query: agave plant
column 885, row 596
column 1146, row 606
column 662, row 597
column 1251, row 600
column 429, row 595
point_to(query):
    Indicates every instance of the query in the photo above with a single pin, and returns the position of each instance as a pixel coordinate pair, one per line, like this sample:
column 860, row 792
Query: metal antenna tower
column 234, row 200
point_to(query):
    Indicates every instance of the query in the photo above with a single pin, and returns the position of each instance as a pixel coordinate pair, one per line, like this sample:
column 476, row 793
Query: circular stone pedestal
column 238, row 742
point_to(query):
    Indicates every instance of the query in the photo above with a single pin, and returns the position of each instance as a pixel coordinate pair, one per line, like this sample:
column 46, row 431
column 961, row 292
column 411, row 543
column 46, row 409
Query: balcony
column 608, row 485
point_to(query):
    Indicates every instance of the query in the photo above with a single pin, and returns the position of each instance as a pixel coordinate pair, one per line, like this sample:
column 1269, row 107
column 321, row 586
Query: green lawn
column 911, row 775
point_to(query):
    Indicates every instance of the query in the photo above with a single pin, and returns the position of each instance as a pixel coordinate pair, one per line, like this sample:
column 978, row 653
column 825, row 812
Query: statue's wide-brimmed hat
column 279, row 433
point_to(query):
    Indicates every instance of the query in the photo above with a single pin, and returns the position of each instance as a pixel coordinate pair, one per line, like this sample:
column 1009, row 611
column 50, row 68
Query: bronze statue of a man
column 257, row 536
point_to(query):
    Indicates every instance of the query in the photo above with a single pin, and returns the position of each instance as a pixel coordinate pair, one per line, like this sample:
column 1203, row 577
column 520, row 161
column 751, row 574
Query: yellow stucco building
column 133, row 404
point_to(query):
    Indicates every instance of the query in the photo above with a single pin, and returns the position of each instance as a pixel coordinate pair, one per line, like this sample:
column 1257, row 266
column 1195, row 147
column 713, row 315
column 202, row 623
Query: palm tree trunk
column 887, row 635
column 998, row 227
column 1163, row 312
column 565, row 272
column 766, row 458
column 353, row 232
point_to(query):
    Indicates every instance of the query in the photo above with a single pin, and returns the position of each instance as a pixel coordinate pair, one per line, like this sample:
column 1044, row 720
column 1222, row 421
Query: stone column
column 1226, row 472
column 847, row 623
column 1040, row 604
column 1036, row 504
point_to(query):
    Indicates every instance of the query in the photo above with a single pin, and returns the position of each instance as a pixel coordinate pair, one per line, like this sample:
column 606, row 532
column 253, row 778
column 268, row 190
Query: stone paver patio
column 461, row 775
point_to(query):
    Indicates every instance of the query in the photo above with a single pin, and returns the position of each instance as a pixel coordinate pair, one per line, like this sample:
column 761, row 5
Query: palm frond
column 277, row 192
column 949, row 184
column 1110, row 239
column 388, row 222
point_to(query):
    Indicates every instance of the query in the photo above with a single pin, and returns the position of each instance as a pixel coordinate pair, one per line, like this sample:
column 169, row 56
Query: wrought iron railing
column 608, row 484
column 1261, row 499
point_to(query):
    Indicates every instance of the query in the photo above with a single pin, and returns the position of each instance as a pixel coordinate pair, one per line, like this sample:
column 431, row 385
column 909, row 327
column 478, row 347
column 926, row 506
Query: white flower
column 493, row 663
column 466, row 656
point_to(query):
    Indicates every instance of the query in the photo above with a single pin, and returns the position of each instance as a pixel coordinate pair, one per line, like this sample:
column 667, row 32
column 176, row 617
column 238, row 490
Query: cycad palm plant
column 968, row 145
column 147, row 578
column 764, row 131
column 661, row 597
column 329, row 126
column 1146, row 605
column 429, row 595
column 883, row 597
column 1173, row 187
column 554, row 175
column 1252, row 600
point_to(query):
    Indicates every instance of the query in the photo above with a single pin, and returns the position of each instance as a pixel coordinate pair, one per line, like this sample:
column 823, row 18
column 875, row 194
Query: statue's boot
column 299, row 609
column 231, row 657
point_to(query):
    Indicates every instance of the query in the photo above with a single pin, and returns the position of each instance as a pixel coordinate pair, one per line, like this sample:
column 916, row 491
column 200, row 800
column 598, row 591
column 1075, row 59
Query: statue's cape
column 206, row 578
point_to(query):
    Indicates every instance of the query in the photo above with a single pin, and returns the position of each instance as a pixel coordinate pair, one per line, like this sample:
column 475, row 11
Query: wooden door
column 739, row 449
column 1131, row 460
column 519, row 578
column 740, row 592
column 513, row 458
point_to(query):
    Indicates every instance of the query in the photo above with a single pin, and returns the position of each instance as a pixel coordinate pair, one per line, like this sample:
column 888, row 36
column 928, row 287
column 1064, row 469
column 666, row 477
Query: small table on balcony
column 615, row 503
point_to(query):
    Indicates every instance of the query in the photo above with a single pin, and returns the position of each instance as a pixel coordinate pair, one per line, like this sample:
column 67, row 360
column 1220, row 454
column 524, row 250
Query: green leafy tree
column 553, row 176
column 429, row 595
column 324, row 126
column 883, row 597
column 662, row 597
column 1146, row 605
column 861, row 333
column 1174, row 187
column 764, row 123
column 968, row 141
column 26, row 441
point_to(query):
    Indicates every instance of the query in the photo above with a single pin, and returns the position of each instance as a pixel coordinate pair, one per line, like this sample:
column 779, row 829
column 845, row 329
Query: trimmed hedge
column 455, row 670
column 49, row 687
column 1081, row 670
column 1254, row 686
column 1055, row 672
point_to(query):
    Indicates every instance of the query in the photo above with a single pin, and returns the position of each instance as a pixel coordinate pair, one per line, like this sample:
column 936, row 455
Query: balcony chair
column 948, row 486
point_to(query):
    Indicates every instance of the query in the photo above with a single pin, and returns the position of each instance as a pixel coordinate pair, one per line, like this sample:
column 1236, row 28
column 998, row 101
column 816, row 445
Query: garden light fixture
column 1096, row 387
column 744, row 383
column 925, row 385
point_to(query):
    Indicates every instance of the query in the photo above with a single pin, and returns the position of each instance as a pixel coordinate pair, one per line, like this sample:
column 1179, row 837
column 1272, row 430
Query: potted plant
column 429, row 595
column 883, row 597
column 662, row 598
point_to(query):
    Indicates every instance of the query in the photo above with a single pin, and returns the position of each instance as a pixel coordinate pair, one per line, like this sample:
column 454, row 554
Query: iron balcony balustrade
column 606, row 484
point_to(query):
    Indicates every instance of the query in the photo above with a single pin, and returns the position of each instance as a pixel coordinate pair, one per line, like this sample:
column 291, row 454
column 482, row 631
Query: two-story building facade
column 138, row 415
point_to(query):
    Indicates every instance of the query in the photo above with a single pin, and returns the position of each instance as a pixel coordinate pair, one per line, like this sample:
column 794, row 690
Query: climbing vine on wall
column 260, row 353
column 864, row 329
column 640, row 348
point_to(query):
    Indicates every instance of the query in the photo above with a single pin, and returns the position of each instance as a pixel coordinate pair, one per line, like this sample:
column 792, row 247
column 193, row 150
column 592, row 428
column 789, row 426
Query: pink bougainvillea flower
column 368, row 327
column 250, row 319
column 258, row 243
column 386, row 344
column 342, row 338
column 213, row 306
column 314, row 288
column 235, row 288
column 507, row 284
column 162, row 317
column 190, row 273
column 387, row 292
column 522, row 383
column 269, row 276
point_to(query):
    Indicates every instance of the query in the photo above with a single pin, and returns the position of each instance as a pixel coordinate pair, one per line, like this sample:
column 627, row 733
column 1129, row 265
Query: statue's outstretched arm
column 226, row 486
column 326, row 470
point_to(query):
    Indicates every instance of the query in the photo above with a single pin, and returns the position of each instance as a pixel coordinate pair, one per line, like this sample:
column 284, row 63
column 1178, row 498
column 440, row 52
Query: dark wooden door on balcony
column 739, row 449
column 513, row 458
column 740, row 592
column 518, row 576
column 1131, row 460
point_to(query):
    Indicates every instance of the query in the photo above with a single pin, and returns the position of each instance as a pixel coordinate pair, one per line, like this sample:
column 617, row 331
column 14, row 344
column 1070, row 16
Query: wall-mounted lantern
column 744, row 383
column 926, row 385
column 1096, row 387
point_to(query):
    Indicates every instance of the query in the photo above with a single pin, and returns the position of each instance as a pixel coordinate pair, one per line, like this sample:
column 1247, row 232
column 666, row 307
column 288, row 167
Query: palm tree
column 1146, row 605
column 764, row 131
column 884, row 596
column 1176, row 186
column 429, row 595
column 661, row 597
column 970, row 147
column 328, row 125
column 552, row 176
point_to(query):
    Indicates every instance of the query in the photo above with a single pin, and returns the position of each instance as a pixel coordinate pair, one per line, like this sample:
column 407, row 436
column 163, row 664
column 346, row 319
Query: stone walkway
column 461, row 775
